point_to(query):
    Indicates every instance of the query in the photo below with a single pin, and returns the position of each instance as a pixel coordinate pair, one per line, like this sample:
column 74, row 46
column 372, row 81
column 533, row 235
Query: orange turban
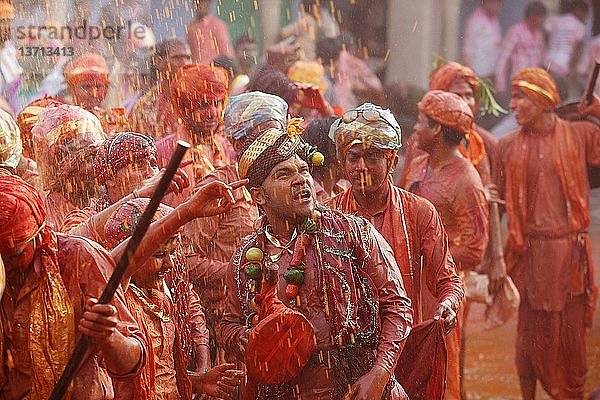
column 89, row 66
column 193, row 84
column 448, row 109
column 445, row 76
column 27, row 119
column 538, row 85
column 310, row 72
column 7, row 11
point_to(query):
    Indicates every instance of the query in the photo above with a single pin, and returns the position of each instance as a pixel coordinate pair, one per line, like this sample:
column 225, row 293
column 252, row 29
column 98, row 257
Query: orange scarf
column 51, row 324
column 567, row 161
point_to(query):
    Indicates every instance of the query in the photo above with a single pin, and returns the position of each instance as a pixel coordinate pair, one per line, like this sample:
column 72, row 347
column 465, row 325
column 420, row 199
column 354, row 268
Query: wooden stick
column 83, row 343
column 589, row 93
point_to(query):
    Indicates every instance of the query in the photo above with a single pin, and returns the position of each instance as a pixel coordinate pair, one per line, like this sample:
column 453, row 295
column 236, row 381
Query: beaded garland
column 256, row 262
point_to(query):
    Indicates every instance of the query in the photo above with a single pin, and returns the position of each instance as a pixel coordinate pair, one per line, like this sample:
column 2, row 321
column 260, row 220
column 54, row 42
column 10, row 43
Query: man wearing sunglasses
column 367, row 140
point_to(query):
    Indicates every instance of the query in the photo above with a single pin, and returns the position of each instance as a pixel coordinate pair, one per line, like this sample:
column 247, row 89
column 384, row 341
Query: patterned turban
column 538, row 85
column 356, row 126
column 10, row 141
column 445, row 76
column 125, row 218
column 251, row 109
column 27, row 119
column 89, row 66
column 65, row 138
column 7, row 11
column 193, row 84
column 264, row 150
column 447, row 109
column 121, row 150
column 22, row 214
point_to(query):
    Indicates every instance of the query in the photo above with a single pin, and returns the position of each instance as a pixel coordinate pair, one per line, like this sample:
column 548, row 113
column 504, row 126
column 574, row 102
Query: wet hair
column 165, row 46
column 329, row 50
column 227, row 64
column 272, row 81
column 451, row 136
column 317, row 134
column 536, row 9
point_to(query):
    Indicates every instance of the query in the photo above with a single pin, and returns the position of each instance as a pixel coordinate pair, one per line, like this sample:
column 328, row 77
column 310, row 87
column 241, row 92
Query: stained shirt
column 456, row 191
column 348, row 245
column 521, row 48
column 208, row 38
column 85, row 268
column 413, row 228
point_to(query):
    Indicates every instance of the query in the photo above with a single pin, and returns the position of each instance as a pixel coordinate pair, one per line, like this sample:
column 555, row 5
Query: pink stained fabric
column 85, row 268
column 483, row 37
column 209, row 38
column 521, row 48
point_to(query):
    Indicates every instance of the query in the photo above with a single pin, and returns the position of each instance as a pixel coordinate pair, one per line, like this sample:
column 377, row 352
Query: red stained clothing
column 154, row 115
column 352, row 294
column 85, row 268
column 457, row 193
column 215, row 239
column 165, row 373
column 544, row 181
column 411, row 219
column 57, row 208
column 548, row 210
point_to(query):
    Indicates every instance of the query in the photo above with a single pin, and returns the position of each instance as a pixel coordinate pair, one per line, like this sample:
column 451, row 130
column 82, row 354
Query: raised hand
column 180, row 182
column 213, row 198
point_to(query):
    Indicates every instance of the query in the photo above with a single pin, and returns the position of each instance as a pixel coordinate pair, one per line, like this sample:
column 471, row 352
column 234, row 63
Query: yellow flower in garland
column 295, row 127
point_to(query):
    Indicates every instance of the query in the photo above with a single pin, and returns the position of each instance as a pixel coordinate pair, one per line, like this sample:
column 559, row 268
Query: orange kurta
column 426, row 263
column 543, row 178
column 457, row 193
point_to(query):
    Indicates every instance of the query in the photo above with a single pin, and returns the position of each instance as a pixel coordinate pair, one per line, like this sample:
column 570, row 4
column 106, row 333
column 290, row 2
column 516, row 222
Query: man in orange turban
column 461, row 80
column 480, row 150
column 454, row 187
column 49, row 302
column 198, row 96
column 153, row 114
column 87, row 79
column 541, row 172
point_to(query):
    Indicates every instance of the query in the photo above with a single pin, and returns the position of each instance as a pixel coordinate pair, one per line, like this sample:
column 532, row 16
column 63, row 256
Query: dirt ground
column 490, row 371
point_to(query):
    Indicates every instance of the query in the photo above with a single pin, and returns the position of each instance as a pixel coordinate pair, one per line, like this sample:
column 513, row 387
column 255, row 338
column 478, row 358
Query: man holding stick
column 53, row 281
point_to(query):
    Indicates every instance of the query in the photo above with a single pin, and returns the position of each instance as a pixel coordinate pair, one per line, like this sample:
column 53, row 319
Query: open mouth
column 304, row 195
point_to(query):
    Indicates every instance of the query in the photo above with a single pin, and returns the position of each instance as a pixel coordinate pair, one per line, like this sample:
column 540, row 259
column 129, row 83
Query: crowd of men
column 289, row 259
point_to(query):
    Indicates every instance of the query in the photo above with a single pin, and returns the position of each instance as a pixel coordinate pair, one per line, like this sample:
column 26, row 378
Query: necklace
column 148, row 306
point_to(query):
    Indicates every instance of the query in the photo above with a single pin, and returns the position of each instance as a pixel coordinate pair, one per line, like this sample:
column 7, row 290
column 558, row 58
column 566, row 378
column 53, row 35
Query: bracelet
column 135, row 194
